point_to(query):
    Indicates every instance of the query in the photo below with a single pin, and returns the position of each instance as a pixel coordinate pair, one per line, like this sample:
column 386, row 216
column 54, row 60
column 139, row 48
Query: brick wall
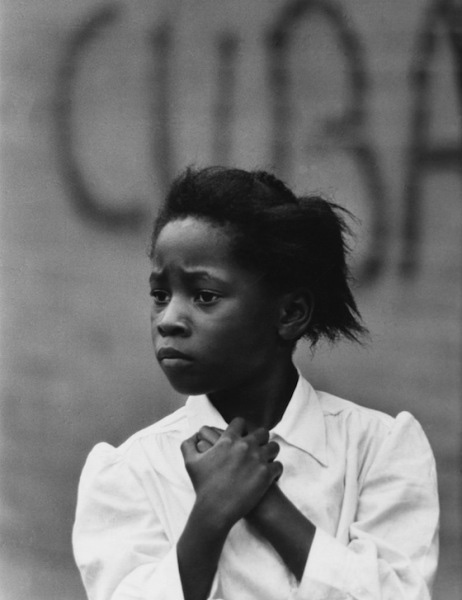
column 102, row 102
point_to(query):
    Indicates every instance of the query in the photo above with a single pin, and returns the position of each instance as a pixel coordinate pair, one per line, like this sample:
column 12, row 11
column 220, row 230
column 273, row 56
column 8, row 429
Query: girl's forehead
column 194, row 247
column 191, row 239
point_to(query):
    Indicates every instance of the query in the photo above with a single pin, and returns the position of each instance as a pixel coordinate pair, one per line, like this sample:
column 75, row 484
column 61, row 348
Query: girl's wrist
column 211, row 519
column 267, row 509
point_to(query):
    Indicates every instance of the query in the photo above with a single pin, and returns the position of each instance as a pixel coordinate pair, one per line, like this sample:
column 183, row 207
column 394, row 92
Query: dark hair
column 291, row 241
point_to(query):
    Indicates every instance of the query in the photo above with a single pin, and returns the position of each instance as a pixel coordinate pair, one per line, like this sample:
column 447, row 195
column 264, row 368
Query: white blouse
column 366, row 480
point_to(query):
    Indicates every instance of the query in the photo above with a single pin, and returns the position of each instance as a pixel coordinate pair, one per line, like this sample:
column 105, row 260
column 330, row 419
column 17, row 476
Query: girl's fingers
column 237, row 428
column 208, row 434
column 203, row 446
column 260, row 435
column 270, row 451
column 276, row 469
column 188, row 448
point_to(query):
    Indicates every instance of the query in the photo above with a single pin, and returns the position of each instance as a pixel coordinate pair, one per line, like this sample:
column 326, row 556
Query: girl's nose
column 172, row 321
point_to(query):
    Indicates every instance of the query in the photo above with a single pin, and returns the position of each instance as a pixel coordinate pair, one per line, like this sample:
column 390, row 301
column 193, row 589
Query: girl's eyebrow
column 193, row 273
column 202, row 273
column 206, row 274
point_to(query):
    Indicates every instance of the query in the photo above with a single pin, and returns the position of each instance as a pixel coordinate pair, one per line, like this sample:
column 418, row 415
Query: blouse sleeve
column 393, row 542
column 119, row 543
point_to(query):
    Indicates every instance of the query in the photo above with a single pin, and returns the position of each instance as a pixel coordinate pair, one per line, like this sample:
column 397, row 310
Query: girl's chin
column 187, row 386
column 190, row 382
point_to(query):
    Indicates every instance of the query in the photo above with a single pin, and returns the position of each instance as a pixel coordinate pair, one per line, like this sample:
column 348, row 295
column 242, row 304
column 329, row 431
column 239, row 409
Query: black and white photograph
column 230, row 300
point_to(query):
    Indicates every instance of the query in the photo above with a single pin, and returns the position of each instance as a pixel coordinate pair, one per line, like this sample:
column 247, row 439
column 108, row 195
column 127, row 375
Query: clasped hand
column 231, row 470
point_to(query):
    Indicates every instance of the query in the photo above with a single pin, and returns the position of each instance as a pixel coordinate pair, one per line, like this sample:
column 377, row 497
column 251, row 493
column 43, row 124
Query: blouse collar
column 302, row 424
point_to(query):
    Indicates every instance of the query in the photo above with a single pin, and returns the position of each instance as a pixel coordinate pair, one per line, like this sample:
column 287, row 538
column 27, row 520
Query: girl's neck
column 261, row 403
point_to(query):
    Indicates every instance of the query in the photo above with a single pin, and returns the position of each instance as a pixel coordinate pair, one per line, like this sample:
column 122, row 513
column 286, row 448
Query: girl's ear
column 295, row 315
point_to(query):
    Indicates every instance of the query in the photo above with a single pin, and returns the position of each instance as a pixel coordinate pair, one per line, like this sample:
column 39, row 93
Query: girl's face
column 214, row 324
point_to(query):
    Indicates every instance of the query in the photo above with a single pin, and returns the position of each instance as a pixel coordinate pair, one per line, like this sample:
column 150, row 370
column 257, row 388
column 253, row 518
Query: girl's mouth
column 169, row 355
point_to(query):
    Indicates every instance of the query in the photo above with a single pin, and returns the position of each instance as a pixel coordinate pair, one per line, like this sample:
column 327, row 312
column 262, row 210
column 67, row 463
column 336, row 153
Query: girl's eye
column 205, row 297
column 160, row 296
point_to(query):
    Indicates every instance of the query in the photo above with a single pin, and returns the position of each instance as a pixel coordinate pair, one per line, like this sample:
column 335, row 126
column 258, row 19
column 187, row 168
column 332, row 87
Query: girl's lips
column 167, row 353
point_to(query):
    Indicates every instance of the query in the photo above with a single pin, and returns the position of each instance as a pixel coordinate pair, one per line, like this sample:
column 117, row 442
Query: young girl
column 259, row 487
